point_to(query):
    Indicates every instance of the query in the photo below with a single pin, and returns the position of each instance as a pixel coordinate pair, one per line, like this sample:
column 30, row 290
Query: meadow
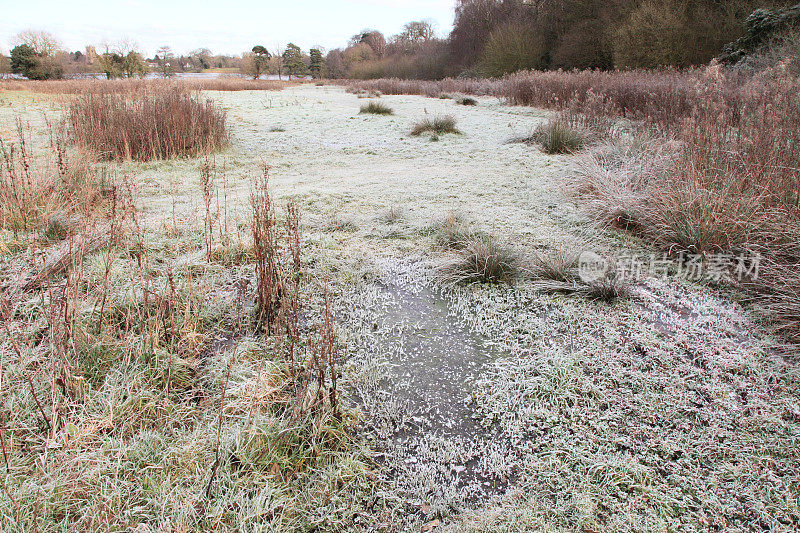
column 268, row 306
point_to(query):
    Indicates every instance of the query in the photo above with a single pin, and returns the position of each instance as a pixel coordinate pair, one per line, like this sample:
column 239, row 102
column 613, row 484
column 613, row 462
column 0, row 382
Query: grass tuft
column 482, row 259
column 438, row 126
column 558, row 137
column 376, row 108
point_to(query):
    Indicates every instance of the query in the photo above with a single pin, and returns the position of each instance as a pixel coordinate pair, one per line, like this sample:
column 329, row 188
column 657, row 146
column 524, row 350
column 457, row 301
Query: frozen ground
column 496, row 407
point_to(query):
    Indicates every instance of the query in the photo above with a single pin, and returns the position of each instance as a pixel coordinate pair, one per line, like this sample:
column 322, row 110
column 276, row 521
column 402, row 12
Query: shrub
column 437, row 126
column 512, row 48
column 466, row 100
column 129, row 86
column 157, row 123
column 433, row 89
column 376, row 108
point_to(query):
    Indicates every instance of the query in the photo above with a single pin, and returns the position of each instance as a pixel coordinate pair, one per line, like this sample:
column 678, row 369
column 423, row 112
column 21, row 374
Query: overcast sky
column 224, row 26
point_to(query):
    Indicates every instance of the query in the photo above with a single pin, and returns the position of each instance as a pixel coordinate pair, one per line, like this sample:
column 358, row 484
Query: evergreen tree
column 293, row 61
column 317, row 63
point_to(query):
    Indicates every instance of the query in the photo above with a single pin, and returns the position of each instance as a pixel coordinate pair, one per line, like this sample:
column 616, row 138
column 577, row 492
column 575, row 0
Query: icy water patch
column 418, row 366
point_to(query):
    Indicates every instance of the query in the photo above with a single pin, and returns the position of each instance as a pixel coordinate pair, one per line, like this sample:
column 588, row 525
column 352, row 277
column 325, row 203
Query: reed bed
column 157, row 122
column 433, row 89
column 135, row 85
column 724, row 183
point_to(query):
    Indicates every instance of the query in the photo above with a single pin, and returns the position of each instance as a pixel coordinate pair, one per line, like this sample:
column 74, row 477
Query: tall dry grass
column 57, row 185
column 135, row 85
column 157, row 122
column 395, row 86
column 726, row 182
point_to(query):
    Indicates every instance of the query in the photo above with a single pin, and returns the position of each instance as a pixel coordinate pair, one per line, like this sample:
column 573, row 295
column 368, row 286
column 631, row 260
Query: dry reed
column 155, row 123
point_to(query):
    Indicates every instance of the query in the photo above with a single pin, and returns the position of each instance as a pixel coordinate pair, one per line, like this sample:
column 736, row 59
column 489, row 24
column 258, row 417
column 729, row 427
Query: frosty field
column 477, row 407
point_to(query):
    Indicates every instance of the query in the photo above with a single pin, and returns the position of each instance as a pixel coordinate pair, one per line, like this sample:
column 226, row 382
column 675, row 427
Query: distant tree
column 43, row 43
column 122, row 60
column 37, row 56
column 372, row 38
column 166, row 61
column 276, row 62
column 334, row 64
column 293, row 61
column 317, row 63
column 655, row 35
column 414, row 35
column 261, row 59
column 24, row 59
column 5, row 66
column 78, row 56
column 133, row 65
column 200, row 59
column 357, row 54
column 580, row 46
column 110, row 64
column 511, row 48
column 418, row 31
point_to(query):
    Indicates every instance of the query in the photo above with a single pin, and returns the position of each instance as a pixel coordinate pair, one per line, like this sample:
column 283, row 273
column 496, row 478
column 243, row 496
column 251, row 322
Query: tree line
column 489, row 38
column 495, row 37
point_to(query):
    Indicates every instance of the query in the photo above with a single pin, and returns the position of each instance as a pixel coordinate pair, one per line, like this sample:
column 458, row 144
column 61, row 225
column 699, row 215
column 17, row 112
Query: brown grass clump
column 151, row 124
column 269, row 280
column 376, row 108
column 482, row 259
column 437, row 126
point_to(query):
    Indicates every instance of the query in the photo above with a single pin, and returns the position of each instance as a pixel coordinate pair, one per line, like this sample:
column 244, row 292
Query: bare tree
column 165, row 59
column 43, row 42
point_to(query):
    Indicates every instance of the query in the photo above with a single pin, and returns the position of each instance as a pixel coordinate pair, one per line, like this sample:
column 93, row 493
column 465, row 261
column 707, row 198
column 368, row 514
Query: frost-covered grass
column 376, row 108
column 665, row 410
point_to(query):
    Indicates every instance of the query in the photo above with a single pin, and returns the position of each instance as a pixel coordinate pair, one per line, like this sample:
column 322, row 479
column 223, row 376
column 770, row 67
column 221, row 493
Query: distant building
column 91, row 55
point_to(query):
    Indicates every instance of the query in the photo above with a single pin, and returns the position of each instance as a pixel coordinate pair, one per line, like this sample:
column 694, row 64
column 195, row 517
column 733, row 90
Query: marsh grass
column 134, row 352
column 453, row 231
column 557, row 137
column 126, row 86
column 376, row 108
column 557, row 272
column 437, row 126
column 729, row 185
column 46, row 191
column 480, row 259
column 154, row 123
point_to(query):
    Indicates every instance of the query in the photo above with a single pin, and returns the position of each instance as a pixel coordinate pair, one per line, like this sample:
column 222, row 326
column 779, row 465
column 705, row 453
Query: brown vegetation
column 133, row 85
column 37, row 190
column 729, row 185
column 154, row 123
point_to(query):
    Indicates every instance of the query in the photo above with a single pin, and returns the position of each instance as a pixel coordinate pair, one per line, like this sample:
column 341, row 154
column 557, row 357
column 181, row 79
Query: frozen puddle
column 418, row 364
